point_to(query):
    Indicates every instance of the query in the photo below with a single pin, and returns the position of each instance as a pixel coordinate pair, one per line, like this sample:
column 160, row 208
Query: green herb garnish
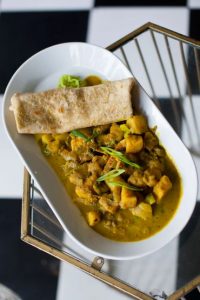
column 111, row 174
column 120, row 156
column 77, row 133
column 70, row 81
column 126, row 185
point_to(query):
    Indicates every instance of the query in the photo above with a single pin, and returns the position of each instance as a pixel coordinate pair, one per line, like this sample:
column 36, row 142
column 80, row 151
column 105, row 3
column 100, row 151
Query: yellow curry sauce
column 120, row 177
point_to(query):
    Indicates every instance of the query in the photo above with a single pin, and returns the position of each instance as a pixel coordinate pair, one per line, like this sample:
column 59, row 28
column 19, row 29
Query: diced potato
column 46, row 138
column 162, row 187
column 93, row 217
column 108, row 205
column 53, row 147
column 137, row 124
column 134, row 143
column 128, row 198
column 117, row 133
column 136, row 178
column 150, row 140
column 143, row 211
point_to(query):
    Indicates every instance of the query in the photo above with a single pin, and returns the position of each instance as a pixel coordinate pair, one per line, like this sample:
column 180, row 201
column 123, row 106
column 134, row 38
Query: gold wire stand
column 122, row 49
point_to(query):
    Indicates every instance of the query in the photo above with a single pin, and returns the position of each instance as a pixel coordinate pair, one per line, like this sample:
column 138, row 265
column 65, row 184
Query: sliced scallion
column 126, row 185
column 120, row 156
column 111, row 174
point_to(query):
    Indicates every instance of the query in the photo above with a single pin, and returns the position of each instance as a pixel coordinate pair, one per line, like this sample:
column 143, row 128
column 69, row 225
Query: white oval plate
column 42, row 72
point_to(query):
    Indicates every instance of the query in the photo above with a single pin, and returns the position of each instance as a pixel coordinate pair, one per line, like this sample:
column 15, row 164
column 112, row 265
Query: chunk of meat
column 94, row 168
column 110, row 164
column 86, row 195
column 134, row 143
column 89, row 181
column 143, row 211
column 121, row 145
column 100, row 188
column 76, row 178
column 101, row 129
column 151, row 176
column 162, row 187
column 106, row 140
column 128, row 198
column 81, row 148
column 93, row 217
column 137, row 178
column 137, row 124
column 108, row 205
column 68, row 155
column 150, row 140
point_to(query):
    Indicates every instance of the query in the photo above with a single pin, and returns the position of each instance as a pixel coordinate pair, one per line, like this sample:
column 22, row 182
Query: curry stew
column 120, row 177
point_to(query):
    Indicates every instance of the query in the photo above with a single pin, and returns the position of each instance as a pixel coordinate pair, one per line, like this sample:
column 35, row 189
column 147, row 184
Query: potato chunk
column 134, row 143
column 143, row 211
column 162, row 187
column 93, row 217
column 46, row 138
column 137, row 124
column 128, row 198
column 117, row 133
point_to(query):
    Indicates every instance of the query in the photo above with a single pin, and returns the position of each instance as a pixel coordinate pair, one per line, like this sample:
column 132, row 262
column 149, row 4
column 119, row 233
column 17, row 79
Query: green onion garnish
column 77, row 133
column 111, row 174
column 120, row 156
column 126, row 185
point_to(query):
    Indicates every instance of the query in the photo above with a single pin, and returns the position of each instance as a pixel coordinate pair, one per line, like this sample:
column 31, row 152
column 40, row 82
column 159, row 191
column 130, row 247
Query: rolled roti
column 64, row 109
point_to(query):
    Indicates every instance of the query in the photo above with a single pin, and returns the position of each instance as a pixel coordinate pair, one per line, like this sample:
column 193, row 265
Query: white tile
column 11, row 170
column 194, row 3
column 37, row 5
column 110, row 24
column 147, row 274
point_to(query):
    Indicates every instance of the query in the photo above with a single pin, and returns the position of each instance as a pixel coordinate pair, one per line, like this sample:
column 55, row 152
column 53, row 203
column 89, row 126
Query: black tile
column 189, row 254
column 194, row 31
column 140, row 3
column 29, row 272
column 24, row 34
column 193, row 295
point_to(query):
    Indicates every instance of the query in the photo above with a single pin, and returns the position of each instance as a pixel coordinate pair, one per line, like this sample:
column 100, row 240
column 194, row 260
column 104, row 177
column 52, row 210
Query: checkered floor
column 27, row 26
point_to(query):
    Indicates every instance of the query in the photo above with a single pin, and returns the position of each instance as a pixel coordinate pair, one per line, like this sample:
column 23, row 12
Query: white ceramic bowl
column 41, row 72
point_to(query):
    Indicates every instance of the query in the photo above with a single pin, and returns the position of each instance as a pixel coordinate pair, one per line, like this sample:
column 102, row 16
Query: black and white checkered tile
column 27, row 26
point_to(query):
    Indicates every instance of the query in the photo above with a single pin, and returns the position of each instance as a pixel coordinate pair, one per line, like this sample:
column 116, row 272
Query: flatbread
column 64, row 109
